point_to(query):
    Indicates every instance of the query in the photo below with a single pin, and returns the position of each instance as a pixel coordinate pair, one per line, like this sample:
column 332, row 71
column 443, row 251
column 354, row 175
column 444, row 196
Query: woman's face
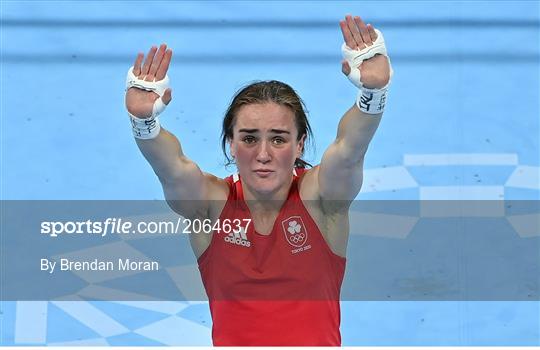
column 265, row 146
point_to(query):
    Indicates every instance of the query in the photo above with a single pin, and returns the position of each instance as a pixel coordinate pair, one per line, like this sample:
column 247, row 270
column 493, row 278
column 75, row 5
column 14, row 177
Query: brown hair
column 262, row 92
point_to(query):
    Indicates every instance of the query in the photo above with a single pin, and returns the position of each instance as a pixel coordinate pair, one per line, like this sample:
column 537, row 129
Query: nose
column 263, row 153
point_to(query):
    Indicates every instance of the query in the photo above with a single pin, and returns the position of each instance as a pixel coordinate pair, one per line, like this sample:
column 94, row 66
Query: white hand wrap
column 147, row 128
column 369, row 101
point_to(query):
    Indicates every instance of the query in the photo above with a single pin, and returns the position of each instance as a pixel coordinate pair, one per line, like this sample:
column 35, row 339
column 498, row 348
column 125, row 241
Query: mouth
column 263, row 172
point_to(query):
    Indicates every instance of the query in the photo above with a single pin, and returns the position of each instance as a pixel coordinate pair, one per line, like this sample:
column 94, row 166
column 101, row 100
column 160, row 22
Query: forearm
column 164, row 153
column 355, row 131
column 366, row 65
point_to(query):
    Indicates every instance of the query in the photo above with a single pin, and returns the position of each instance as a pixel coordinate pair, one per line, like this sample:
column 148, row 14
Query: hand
column 140, row 102
column 374, row 72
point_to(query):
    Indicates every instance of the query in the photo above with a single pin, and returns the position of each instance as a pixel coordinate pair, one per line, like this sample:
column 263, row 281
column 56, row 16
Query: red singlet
column 276, row 289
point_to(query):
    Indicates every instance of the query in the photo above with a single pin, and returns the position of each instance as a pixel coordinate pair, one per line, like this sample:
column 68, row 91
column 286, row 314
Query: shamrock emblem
column 294, row 227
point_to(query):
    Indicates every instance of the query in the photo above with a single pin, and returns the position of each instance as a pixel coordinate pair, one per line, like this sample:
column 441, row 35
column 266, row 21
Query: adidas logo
column 238, row 237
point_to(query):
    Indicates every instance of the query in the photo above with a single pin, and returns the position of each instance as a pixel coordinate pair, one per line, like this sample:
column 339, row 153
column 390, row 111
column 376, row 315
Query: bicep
column 339, row 177
column 194, row 194
column 187, row 191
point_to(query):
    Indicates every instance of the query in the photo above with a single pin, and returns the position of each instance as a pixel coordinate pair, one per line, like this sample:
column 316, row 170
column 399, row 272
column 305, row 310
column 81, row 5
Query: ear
column 300, row 147
column 232, row 149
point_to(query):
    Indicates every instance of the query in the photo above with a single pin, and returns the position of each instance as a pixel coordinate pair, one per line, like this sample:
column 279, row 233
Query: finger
column 164, row 65
column 167, row 96
column 355, row 32
column 137, row 64
column 148, row 61
column 157, row 59
column 347, row 36
column 372, row 32
column 345, row 68
column 363, row 31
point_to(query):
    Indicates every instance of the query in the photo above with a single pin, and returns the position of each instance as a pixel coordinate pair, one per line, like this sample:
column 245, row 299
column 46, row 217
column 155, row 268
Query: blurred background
column 461, row 122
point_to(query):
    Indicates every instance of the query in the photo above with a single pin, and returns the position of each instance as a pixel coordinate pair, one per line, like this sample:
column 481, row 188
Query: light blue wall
column 466, row 81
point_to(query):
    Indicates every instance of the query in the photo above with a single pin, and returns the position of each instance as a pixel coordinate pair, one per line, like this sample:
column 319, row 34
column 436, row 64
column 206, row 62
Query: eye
column 249, row 139
column 278, row 140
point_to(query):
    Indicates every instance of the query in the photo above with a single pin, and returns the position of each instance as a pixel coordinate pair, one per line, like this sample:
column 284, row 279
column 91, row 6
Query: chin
column 263, row 186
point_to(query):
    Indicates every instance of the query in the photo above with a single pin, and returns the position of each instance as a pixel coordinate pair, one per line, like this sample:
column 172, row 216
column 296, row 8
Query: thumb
column 345, row 68
column 167, row 96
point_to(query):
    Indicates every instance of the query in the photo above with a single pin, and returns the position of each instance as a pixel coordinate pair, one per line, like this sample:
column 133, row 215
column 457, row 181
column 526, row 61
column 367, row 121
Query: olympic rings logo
column 298, row 238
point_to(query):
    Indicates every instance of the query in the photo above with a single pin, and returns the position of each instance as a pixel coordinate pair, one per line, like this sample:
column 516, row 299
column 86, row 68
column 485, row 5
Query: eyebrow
column 275, row 131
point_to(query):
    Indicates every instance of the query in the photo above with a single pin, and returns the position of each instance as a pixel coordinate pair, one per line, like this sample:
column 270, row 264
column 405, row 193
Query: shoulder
column 202, row 203
column 309, row 190
column 330, row 216
column 217, row 193
column 307, row 184
column 217, row 188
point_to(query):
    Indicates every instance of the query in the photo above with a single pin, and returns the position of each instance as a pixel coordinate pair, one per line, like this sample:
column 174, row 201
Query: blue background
column 466, row 83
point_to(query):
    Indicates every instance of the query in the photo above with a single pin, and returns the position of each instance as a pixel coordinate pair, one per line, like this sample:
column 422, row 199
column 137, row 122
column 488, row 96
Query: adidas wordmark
column 238, row 237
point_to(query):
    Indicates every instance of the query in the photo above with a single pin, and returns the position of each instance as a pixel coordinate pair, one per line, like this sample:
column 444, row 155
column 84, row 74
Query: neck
column 266, row 202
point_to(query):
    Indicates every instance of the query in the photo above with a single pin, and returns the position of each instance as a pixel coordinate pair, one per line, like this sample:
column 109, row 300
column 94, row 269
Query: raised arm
column 184, row 184
column 339, row 176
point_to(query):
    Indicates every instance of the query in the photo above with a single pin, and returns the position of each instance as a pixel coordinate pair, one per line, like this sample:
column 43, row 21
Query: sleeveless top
column 276, row 289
